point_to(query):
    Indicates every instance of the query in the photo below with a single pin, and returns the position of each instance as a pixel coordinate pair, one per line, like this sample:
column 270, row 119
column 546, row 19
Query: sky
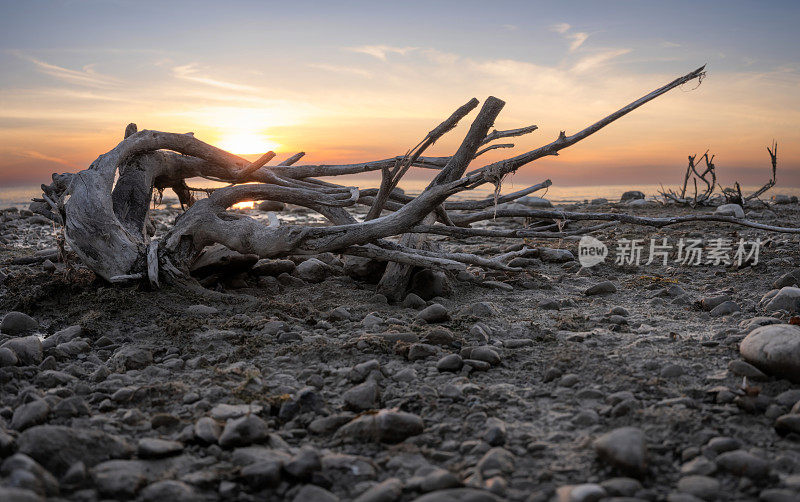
column 354, row 81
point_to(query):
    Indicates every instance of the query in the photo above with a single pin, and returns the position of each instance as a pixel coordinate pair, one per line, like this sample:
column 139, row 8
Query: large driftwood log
column 105, row 221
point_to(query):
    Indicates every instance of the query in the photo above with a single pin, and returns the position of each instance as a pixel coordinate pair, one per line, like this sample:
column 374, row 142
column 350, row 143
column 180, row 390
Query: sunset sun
column 246, row 143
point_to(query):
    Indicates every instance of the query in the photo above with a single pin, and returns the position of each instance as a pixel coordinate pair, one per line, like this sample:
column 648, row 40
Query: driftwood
column 105, row 221
column 733, row 195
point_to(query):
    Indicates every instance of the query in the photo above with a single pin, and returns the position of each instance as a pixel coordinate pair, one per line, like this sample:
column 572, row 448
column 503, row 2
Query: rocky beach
column 293, row 379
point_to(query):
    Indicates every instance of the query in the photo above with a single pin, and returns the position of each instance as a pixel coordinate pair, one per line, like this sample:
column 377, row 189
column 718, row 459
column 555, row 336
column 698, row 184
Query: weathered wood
column 105, row 221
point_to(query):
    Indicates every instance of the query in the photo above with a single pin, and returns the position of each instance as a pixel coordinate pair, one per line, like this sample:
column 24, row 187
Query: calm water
column 20, row 196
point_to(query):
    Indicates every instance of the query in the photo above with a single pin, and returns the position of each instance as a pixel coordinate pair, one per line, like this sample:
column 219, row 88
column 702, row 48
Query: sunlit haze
column 356, row 81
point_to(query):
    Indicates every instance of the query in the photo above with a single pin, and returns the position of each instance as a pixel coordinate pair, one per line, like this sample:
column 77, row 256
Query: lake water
column 20, row 196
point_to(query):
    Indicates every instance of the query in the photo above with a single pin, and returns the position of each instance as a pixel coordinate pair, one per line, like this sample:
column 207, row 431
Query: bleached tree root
column 105, row 220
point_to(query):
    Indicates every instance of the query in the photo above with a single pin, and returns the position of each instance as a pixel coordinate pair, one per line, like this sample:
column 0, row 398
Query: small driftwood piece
column 733, row 195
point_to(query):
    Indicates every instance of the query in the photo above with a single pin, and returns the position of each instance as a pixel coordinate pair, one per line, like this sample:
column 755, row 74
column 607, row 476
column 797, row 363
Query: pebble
column 741, row 368
column 450, row 362
column 624, row 448
column 743, row 463
column 315, row 493
column 434, row 313
column 702, row 487
column 775, row 349
column 18, row 323
column 621, row 487
column 304, row 464
column 734, row 210
column 604, row 287
column 495, row 432
column 120, row 479
column 496, row 461
column 362, row 397
column 8, row 357
column 262, row 473
column 787, row 298
column 207, row 430
column 58, row 447
column 485, row 354
column 549, row 255
column 158, row 448
column 786, row 424
column 413, row 301
column 131, row 358
column 168, row 490
column 30, row 414
column 725, row 308
column 243, row 431
column 587, row 492
column 419, row 351
column 388, row 490
column 27, row 348
column 387, row 426
column 313, row 270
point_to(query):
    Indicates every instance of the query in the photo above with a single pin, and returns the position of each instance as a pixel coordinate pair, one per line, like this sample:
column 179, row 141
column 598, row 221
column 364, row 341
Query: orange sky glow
column 343, row 101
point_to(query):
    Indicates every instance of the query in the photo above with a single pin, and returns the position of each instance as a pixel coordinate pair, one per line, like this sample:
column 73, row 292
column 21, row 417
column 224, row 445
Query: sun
column 247, row 143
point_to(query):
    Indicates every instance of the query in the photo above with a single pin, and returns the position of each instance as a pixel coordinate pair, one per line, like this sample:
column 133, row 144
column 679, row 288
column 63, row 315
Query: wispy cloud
column 598, row 59
column 577, row 38
column 346, row 70
column 87, row 76
column 560, row 27
column 381, row 51
column 509, row 27
column 669, row 45
column 32, row 154
column 191, row 72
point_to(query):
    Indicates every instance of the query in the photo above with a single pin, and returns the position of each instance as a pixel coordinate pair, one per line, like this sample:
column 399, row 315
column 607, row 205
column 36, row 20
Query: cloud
column 191, row 72
column 577, row 38
column 669, row 45
column 598, row 59
column 346, row 70
column 32, row 154
column 509, row 27
column 87, row 76
column 381, row 51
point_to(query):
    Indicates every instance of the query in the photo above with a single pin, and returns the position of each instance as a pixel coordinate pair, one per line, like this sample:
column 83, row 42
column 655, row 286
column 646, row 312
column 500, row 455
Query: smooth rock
column 787, row 298
column 604, row 287
column 725, row 308
column 434, row 314
column 58, row 447
column 774, row 349
column 8, row 357
column 624, row 448
column 158, row 448
column 313, row 270
column 631, row 195
column 130, row 357
column 18, row 323
column 27, row 348
column 169, row 490
column 207, row 430
column 362, row 397
column 734, row 210
column 243, row 431
column 387, row 426
column 30, row 414
column 388, row 490
column 314, row 493
column 450, row 362
column 743, row 463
